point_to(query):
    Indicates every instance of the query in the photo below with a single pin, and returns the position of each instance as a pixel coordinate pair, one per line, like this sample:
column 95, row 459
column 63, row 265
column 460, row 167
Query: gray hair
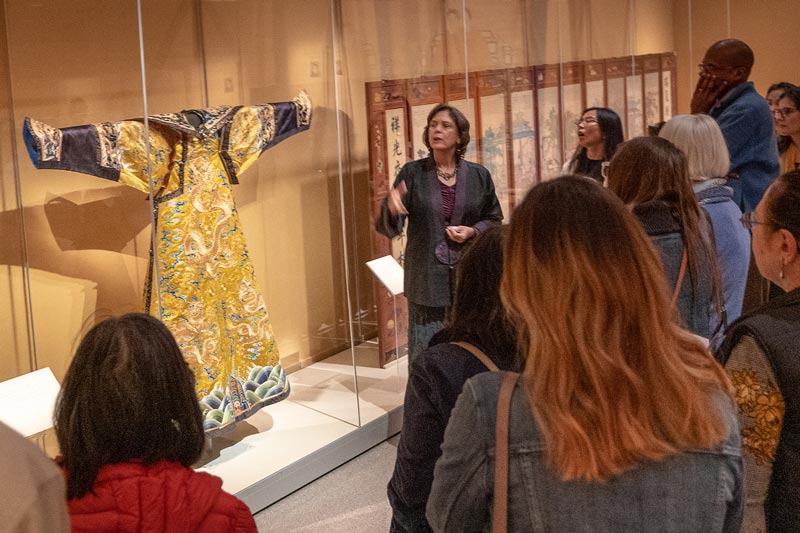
column 699, row 137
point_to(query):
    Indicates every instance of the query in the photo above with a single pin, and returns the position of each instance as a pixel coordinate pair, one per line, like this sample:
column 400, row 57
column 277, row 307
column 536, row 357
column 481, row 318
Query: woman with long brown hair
column 617, row 406
column 651, row 176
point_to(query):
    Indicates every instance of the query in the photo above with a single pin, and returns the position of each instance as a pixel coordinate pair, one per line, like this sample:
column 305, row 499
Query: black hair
column 611, row 130
column 477, row 315
column 462, row 125
column 782, row 201
column 651, row 168
column 780, row 86
column 654, row 130
column 792, row 93
column 128, row 395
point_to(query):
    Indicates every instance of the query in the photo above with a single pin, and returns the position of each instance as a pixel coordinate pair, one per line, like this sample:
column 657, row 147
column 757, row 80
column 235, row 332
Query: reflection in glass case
column 200, row 279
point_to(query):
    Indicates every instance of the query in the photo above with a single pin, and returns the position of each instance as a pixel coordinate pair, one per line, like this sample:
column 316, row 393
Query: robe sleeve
column 114, row 151
column 254, row 129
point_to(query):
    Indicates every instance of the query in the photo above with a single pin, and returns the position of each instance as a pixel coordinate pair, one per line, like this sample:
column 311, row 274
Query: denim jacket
column 695, row 491
column 731, row 239
column 662, row 223
column 746, row 123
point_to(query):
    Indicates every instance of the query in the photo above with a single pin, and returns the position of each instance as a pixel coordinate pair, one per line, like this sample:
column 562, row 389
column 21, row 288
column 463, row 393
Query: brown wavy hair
column 652, row 168
column 613, row 381
column 462, row 126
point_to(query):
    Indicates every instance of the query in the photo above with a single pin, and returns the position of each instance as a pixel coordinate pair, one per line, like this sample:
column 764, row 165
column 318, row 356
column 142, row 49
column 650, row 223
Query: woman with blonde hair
column 701, row 140
column 650, row 175
column 617, row 408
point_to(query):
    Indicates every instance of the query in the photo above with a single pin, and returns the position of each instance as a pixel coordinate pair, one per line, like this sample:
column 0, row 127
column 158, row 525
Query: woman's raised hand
column 395, row 201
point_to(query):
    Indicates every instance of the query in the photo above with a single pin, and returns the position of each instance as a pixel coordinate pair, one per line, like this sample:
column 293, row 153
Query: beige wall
column 88, row 239
column 769, row 27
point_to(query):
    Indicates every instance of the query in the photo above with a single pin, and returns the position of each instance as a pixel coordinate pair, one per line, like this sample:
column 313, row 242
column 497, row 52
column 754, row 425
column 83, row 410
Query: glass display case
column 77, row 247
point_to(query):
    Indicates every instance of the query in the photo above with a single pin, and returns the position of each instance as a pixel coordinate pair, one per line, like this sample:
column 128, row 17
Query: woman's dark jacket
column 435, row 380
column 775, row 327
column 427, row 280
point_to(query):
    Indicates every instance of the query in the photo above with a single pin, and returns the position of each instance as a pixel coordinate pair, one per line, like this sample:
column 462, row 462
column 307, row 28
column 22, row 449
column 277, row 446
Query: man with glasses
column 724, row 92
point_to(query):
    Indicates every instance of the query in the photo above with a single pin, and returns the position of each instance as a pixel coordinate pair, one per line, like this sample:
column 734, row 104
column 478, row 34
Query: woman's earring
column 780, row 274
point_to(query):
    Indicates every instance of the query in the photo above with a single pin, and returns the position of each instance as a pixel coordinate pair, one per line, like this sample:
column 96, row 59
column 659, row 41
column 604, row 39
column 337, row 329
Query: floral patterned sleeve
column 760, row 409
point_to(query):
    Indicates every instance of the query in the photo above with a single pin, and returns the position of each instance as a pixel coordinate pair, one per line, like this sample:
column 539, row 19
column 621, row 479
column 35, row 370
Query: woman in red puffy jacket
column 129, row 427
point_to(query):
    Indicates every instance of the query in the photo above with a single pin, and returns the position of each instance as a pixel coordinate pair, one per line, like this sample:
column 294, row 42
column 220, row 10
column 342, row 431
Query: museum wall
column 305, row 205
column 770, row 28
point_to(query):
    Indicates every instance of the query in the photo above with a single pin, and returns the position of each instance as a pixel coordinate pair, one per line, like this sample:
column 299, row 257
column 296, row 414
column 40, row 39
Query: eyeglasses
column 749, row 220
column 710, row 68
column 586, row 121
column 784, row 112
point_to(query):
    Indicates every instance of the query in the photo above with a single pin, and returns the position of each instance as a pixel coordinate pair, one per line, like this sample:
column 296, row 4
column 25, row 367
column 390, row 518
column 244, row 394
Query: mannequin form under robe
column 209, row 298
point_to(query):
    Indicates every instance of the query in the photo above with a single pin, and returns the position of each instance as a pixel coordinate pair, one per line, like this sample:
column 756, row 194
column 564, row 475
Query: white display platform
column 287, row 445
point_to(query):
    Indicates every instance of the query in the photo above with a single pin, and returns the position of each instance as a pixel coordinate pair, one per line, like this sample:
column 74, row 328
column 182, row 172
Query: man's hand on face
column 709, row 89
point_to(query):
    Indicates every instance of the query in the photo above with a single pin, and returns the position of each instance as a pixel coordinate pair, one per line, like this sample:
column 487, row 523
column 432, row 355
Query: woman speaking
column 448, row 202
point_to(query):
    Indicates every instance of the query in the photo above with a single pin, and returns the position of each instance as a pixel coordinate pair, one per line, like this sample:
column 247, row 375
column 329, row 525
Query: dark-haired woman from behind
column 760, row 352
column 439, row 373
column 599, row 134
column 651, row 176
column 129, row 428
column 621, row 421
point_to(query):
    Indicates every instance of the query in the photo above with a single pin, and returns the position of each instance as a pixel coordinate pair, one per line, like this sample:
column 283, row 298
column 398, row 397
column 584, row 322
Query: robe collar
column 213, row 119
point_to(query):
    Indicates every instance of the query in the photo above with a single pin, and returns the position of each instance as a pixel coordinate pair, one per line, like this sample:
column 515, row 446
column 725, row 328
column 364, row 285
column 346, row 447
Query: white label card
column 389, row 273
column 27, row 401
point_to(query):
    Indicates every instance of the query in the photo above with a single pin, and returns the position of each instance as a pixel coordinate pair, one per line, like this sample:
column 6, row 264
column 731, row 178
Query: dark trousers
column 423, row 323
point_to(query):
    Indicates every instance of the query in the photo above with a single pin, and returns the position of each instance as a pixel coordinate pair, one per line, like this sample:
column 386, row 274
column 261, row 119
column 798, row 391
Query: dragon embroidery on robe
column 206, row 283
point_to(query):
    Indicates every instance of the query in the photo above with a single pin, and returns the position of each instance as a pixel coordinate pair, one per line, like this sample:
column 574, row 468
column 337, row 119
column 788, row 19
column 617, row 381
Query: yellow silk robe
column 203, row 274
